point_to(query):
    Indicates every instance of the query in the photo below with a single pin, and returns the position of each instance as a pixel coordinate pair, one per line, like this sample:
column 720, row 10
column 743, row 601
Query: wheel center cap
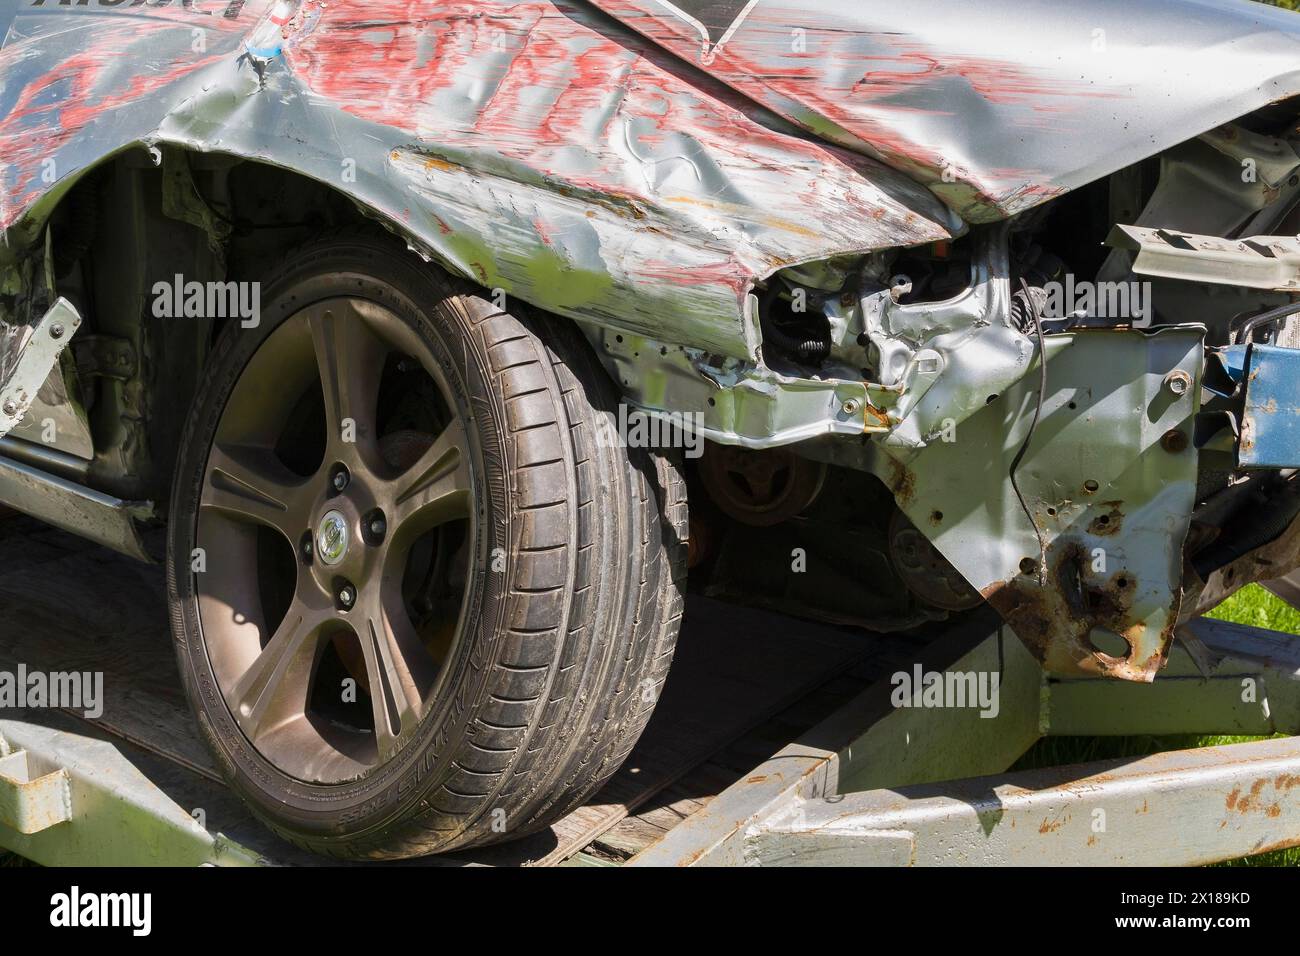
column 332, row 538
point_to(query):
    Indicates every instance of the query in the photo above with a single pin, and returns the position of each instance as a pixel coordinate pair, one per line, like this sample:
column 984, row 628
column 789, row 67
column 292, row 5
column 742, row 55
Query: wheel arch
column 148, row 214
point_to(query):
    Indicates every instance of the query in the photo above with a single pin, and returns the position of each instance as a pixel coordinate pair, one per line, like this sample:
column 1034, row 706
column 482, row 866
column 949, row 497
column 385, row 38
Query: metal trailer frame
column 874, row 784
column 913, row 788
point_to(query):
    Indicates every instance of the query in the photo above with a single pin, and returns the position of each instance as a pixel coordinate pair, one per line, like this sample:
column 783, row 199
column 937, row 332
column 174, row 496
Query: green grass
column 1251, row 605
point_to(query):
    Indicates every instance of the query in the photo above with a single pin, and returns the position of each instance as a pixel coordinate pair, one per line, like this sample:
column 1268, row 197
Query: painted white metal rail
column 875, row 783
column 66, row 799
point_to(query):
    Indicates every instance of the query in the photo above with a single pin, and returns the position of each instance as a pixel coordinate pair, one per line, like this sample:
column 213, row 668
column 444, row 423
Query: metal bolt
column 1178, row 382
column 341, row 479
column 10, row 408
column 378, row 526
column 306, row 546
column 347, row 597
column 56, row 331
column 850, row 407
column 1174, row 441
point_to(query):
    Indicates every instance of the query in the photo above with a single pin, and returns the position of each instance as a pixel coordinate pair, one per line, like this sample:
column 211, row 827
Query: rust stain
column 902, row 482
column 1252, row 801
column 1055, row 621
column 874, row 418
column 1285, row 844
column 1110, row 522
column 1051, row 826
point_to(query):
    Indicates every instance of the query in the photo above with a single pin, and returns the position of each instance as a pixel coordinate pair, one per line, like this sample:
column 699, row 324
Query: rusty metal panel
column 32, row 798
column 1090, row 578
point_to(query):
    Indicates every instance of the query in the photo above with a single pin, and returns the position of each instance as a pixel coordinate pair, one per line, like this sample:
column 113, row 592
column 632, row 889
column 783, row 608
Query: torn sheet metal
column 734, row 403
column 999, row 105
column 38, row 357
column 938, row 364
column 1110, row 479
column 535, row 147
column 947, row 360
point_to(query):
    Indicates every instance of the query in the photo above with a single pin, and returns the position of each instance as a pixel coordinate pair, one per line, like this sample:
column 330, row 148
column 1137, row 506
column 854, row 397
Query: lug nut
column 378, row 527
column 347, row 597
column 341, row 479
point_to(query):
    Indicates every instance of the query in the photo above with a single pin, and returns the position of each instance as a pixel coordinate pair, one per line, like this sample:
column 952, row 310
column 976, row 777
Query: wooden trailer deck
column 743, row 684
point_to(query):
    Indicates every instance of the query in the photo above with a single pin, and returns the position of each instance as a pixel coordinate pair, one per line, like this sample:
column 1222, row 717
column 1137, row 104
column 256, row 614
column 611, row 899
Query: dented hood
column 996, row 105
column 533, row 146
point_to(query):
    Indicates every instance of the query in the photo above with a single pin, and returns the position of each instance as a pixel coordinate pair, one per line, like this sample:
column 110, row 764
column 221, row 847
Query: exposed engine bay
column 1096, row 500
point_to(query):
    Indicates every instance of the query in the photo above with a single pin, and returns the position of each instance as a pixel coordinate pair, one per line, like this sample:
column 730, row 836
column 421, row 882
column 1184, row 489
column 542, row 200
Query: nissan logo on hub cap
column 332, row 538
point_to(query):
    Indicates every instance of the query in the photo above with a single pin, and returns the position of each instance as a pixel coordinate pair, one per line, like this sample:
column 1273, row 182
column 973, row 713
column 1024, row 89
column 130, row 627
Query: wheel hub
column 332, row 538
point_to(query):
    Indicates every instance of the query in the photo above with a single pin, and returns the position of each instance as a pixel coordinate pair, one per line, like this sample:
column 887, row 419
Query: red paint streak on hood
column 994, row 105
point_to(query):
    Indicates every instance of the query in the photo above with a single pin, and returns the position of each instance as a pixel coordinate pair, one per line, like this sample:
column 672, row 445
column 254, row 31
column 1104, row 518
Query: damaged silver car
column 403, row 331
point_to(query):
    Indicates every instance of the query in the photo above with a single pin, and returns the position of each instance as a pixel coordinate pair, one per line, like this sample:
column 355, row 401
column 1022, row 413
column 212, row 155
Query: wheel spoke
column 437, row 488
column 400, row 671
column 274, row 688
column 250, row 484
column 351, row 361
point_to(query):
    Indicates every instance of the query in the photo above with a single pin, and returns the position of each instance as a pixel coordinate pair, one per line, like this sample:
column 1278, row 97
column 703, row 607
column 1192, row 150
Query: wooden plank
column 588, row 859
column 693, row 792
column 76, row 607
column 1287, row 588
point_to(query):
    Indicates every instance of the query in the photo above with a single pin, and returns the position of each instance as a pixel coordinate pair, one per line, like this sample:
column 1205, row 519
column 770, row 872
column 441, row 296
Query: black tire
column 566, row 650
